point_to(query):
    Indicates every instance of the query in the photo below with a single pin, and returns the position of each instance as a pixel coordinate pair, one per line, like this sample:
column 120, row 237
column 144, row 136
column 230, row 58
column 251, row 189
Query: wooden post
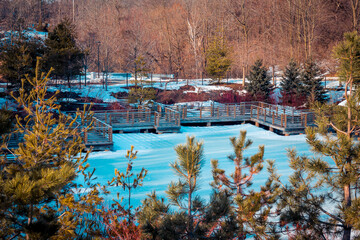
column 127, row 116
column 285, row 121
column 265, row 115
column 211, row 110
column 251, row 111
column 200, row 112
column 257, row 109
column 110, row 119
column 227, row 110
column 185, row 111
column 106, row 117
column 110, row 133
column 273, row 118
column 218, row 112
column 133, row 118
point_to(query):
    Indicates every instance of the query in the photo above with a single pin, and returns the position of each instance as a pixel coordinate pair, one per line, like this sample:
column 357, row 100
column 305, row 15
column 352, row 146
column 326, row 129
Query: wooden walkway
column 98, row 137
column 169, row 118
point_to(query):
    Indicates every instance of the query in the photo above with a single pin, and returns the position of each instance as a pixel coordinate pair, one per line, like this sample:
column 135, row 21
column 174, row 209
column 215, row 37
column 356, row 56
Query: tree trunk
column 190, row 220
column 243, row 83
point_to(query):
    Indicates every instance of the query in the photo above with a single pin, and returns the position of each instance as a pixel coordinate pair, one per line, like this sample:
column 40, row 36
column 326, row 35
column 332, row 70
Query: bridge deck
column 284, row 120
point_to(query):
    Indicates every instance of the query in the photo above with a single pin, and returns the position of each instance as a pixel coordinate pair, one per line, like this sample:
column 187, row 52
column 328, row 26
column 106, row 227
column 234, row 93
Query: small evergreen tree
column 119, row 219
column 19, row 59
column 217, row 58
column 193, row 219
column 311, row 83
column 141, row 95
column 140, row 69
column 252, row 209
column 291, row 87
column 259, row 86
column 187, row 167
column 62, row 52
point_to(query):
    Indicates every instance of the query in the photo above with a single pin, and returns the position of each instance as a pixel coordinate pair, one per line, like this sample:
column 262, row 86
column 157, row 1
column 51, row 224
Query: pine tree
column 187, row 167
column 140, row 69
column 6, row 120
column 63, row 53
column 259, row 86
column 141, row 95
column 18, row 59
column 39, row 198
column 119, row 219
column 192, row 217
column 217, row 58
column 291, row 87
column 323, row 193
column 253, row 209
column 311, row 83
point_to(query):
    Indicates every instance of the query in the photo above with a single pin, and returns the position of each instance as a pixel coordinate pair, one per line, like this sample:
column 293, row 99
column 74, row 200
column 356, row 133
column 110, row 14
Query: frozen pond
column 155, row 152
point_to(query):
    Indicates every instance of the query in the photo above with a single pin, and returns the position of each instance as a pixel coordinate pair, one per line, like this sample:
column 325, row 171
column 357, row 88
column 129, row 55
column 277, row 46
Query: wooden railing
column 276, row 115
column 166, row 117
column 283, row 118
column 100, row 132
column 128, row 118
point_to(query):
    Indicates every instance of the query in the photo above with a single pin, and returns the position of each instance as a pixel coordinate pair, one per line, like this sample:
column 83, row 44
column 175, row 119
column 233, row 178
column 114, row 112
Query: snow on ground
column 157, row 151
column 208, row 88
column 94, row 91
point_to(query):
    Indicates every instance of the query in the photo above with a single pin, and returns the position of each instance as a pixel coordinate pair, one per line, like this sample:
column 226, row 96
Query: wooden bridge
column 169, row 118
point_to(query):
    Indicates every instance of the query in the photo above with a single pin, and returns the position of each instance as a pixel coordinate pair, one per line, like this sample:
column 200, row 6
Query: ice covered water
column 156, row 151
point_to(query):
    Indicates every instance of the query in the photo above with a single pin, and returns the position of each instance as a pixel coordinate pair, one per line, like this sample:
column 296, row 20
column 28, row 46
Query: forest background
column 173, row 35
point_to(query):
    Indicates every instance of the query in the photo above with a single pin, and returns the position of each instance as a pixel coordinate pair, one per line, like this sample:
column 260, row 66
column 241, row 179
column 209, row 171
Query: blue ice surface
column 156, row 151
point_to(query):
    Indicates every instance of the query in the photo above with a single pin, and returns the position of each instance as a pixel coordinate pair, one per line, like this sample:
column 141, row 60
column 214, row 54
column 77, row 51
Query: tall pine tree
column 62, row 52
column 259, row 86
column 251, row 209
column 18, row 59
column 291, row 87
column 322, row 196
column 311, row 83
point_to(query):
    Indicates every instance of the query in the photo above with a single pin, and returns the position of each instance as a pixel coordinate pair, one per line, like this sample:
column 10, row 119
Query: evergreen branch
column 337, row 129
column 327, row 213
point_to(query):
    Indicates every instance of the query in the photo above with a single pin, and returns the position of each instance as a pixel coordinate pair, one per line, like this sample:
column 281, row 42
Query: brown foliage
column 173, row 35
